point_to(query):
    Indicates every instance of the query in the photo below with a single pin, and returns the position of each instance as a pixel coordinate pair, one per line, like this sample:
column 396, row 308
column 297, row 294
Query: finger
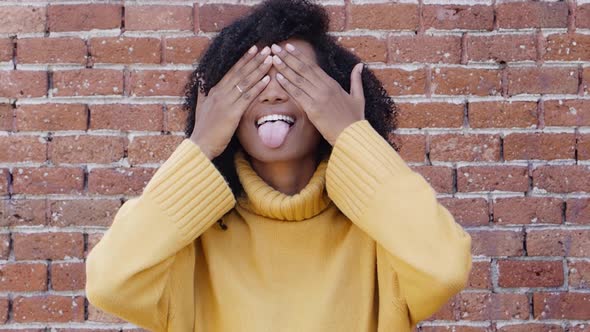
column 301, row 63
column 247, row 67
column 356, row 82
column 247, row 97
column 247, row 82
column 300, row 81
column 251, row 53
column 298, row 94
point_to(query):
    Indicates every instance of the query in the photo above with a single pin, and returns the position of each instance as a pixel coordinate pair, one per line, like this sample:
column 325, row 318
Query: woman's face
column 278, row 140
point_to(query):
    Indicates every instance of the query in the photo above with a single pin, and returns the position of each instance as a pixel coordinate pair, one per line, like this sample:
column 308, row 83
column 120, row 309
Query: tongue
column 273, row 133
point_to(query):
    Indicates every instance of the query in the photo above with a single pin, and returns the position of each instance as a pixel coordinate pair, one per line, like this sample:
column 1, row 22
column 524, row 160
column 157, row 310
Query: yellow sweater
column 365, row 246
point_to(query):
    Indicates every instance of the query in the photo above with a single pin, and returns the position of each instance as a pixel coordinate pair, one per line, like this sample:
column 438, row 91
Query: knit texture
column 364, row 246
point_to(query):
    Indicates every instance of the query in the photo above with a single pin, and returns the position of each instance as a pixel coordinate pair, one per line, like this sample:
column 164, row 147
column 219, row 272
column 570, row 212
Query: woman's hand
column 218, row 114
column 327, row 105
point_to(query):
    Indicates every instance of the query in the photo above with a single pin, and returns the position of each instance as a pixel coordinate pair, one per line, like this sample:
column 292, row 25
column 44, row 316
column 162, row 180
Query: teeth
column 275, row 117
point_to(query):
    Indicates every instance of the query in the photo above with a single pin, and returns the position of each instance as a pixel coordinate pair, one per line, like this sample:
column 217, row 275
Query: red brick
column 497, row 243
column 126, row 117
column 213, row 17
column 23, row 83
column 430, row 115
column 556, row 242
column 439, row 177
column 384, row 16
column 562, row 178
column 579, row 327
column 184, row 49
column 153, row 17
column 86, row 149
column 412, row 148
column 368, row 48
column 545, row 146
column 51, row 50
column 84, row 17
column 23, row 212
column 124, row 50
column 520, row 273
column 480, row 276
column 129, row 181
column 497, row 114
column 158, row 82
column 586, row 81
column 402, row 82
column 498, row 48
column 4, row 310
column 53, row 245
column 337, row 16
column 567, row 112
column 579, row 274
column 177, row 118
column 532, row 15
column 491, row 178
column 583, row 16
column 87, row 82
column 423, row 48
column 48, row 308
column 463, row 81
column 577, row 211
column 48, row 180
column 468, row 211
column 583, row 147
column 527, row 210
column 458, row 147
column 6, row 117
column 23, row 277
column 542, row 80
column 22, row 149
column 561, row 305
column 93, row 239
column 4, row 174
column 50, row 117
column 85, row 212
column 496, row 306
column 152, row 149
column 68, row 276
column 448, row 17
column 19, row 19
column 568, row 47
column 6, row 47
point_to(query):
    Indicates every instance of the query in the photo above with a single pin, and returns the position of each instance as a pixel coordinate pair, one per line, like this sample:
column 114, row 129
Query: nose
column 273, row 93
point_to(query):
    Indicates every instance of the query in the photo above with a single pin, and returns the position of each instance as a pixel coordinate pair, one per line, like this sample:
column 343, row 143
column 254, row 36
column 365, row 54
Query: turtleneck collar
column 262, row 199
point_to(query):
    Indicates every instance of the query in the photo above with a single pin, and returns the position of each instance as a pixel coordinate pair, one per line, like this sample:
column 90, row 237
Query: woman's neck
column 288, row 177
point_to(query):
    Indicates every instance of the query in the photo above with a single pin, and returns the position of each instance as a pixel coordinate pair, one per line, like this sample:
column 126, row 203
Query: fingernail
column 265, row 79
column 276, row 48
column 277, row 60
column 265, row 51
column 252, row 49
column 268, row 60
column 290, row 47
column 280, row 76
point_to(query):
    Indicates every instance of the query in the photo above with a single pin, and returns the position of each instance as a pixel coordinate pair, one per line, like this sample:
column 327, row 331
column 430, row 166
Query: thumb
column 356, row 81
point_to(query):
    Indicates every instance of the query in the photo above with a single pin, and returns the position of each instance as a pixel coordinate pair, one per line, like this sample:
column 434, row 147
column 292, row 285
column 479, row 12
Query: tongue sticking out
column 273, row 133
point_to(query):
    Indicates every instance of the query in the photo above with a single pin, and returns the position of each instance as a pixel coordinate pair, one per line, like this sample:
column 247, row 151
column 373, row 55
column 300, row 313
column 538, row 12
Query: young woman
column 321, row 224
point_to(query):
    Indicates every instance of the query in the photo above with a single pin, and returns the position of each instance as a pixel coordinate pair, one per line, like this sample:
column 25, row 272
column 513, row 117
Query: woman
column 322, row 225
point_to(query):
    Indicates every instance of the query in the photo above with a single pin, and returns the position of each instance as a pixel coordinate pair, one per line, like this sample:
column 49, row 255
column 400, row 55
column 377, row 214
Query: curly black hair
column 273, row 21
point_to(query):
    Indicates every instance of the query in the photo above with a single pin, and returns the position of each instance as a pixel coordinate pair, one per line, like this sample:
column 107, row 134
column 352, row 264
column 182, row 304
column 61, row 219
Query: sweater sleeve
column 129, row 270
column 373, row 186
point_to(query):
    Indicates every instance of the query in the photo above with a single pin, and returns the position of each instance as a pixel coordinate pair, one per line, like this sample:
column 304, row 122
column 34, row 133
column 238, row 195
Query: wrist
column 202, row 147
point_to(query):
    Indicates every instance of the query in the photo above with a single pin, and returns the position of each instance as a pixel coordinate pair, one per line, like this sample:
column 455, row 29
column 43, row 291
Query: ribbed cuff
column 190, row 189
column 360, row 159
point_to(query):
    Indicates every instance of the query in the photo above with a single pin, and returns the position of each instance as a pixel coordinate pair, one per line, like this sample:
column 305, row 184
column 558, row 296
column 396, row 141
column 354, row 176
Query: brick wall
column 494, row 112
